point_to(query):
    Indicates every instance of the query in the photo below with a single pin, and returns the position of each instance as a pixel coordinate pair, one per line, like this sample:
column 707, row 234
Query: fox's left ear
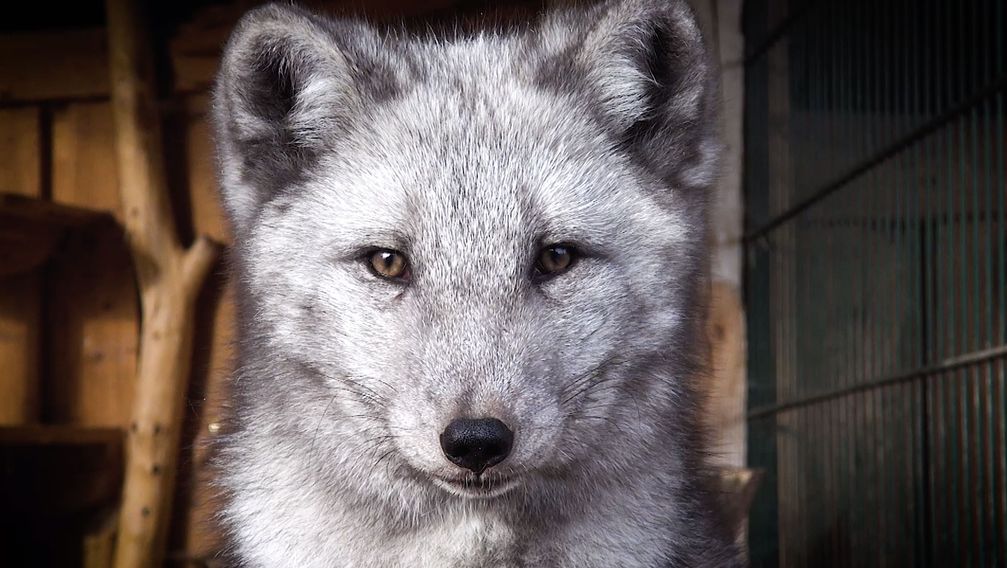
column 290, row 84
column 643, row 68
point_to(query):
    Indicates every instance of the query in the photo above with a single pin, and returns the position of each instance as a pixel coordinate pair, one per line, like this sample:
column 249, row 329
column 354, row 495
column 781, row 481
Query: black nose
column 476, row 443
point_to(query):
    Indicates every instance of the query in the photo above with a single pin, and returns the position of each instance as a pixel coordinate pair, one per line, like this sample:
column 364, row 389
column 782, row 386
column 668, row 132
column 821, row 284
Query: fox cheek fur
column 468, row 410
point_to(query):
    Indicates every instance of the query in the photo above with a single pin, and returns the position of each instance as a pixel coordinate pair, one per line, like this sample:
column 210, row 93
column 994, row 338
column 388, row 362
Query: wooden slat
column 19, row 349
column 83, row 169
column 20, row 152
column 20, row 301
column 55, row 481
column 93, row 327
column 92, row 313
column 58, row 434
column 52, row 469
column 54, row 65
column 201, row 176
column 45, row 213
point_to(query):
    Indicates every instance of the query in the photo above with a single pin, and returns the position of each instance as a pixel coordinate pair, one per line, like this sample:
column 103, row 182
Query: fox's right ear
column 643, row 69
column 290, row 82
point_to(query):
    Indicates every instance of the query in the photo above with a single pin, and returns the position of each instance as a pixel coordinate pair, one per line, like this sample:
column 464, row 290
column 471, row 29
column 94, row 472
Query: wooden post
column 169, row 278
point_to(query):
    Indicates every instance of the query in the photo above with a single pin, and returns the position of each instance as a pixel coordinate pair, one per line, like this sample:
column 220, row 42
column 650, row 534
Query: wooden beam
column 169, row 277
column 20, row 294
column 58, row 470
column 52, row 66
column 31, row 228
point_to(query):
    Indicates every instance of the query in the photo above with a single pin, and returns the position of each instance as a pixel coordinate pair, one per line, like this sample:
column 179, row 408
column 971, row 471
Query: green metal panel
column 875, row 281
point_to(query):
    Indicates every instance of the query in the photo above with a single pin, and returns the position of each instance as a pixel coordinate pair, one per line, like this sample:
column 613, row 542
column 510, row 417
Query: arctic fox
column 469, row 273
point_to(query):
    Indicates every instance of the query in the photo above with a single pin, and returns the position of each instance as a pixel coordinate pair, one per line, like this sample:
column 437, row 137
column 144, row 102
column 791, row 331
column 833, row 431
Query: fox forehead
column 512, row 165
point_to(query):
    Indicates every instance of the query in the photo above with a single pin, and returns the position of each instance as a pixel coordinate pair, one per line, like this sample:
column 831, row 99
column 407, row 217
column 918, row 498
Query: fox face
column 462, row 260
column 453, row 268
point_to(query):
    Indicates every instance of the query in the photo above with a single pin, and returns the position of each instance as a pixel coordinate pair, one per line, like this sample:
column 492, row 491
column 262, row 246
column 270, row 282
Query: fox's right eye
column 389, row 264
column 555, row 260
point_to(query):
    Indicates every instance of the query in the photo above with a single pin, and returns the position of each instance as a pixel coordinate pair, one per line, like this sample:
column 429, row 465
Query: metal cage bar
column 876, row 246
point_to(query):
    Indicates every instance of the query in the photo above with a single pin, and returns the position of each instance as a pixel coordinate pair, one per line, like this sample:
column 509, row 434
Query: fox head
column 466, row 263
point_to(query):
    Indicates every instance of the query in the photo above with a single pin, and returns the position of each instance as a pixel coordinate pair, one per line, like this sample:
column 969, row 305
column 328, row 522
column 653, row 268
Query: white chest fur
column 460, row 540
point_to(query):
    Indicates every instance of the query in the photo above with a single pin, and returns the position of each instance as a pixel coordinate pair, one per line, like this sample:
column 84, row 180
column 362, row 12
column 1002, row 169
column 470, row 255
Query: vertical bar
column 893, row 416
column 934, row 394
column 793, row 251
column 977, row 446
column 883, row 118
column 951, row 430
column 843, row 210
column 906, row 21
column 870, row 271
column 810, row 370
column 893, row 411
column 763, row 451
column 960, row 300
column 865, row 504
column 776, row 121
column 1001, row 216
column 920, row 468
column 989, row 404
column 780, row 186
column 850, row 432
column 816, row 227
column 836, row 417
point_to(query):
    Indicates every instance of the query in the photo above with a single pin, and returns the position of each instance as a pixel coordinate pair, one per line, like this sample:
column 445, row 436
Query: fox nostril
column 476, row 443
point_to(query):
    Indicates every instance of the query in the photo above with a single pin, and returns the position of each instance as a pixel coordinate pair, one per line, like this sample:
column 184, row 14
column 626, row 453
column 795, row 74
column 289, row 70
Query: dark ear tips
column 653, row 62
column 285, row 88
column 643, row 67
column 276, row 55
column 267, row 87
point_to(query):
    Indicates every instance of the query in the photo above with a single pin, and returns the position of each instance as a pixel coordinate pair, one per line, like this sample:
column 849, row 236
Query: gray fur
column 592, row 127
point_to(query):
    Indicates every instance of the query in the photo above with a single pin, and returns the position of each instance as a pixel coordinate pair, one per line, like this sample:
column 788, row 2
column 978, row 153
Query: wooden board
column 20, row 152
column 207, row 213
column 83, row 157
column 19, row 349
column 93, row 326
column 20, row 296
column 92, row 316
column 55, row 482
column 30, row 229
column 53, row 65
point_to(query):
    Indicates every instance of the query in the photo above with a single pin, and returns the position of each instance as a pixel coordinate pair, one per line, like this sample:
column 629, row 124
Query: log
column 169, row 278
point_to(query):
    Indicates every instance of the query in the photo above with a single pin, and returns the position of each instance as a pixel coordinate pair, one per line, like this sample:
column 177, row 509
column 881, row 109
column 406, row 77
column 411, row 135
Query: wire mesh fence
column 875, row 281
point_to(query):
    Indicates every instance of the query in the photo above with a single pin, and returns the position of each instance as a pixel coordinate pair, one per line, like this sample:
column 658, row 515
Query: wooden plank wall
column 69, row 331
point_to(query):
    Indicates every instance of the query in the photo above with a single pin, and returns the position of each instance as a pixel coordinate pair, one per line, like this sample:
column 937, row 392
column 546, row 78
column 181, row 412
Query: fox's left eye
column 389, row 264
column 554, row 260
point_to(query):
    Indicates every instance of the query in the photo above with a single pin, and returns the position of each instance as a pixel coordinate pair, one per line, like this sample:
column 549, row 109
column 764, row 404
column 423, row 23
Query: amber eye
column 555, row 259
column 389, row 264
